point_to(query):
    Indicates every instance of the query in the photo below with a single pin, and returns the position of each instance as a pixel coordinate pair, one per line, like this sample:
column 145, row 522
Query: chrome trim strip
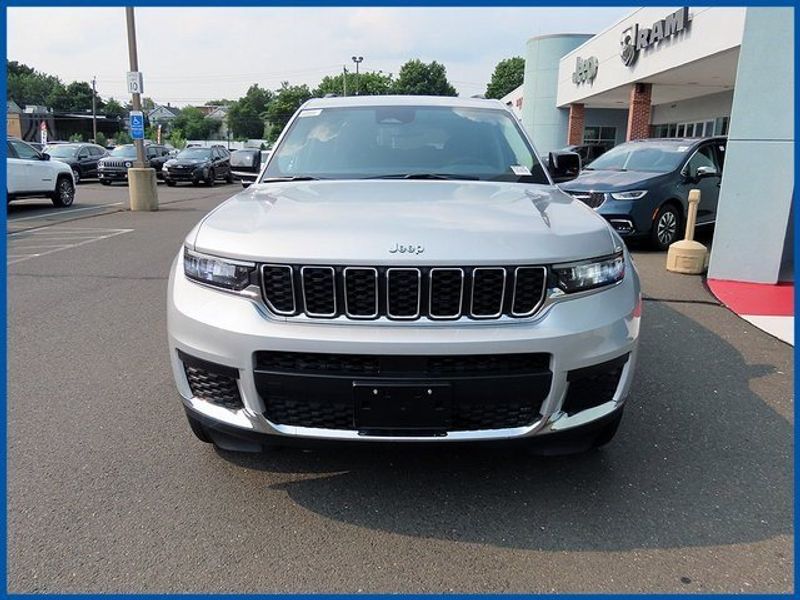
column 541, row 296
column 430, row 293
column 375, row 280
column 472, row 294
column 303, row 285
column 419, row 293
column 264, row 290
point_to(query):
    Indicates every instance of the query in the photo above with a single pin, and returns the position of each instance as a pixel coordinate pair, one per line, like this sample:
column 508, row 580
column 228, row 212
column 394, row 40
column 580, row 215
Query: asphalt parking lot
column 108, row 491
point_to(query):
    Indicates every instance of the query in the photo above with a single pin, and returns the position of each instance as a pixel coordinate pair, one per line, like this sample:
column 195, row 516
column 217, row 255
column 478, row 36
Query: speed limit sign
column 135, row 82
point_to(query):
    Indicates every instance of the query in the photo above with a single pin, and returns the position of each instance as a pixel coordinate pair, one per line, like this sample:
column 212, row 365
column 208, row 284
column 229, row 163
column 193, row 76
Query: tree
column 101, row 139
column 148, row 104
column 177, row 140
column 122, row 138
column 508, row 76
column 417, row 78
column 371, row 83
column 80, row 95
column 246, row 116
column 113, row 109
column 285, row 103
column 194, row 125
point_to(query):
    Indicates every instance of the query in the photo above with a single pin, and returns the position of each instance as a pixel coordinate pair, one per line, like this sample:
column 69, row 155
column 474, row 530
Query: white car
column 30, row 173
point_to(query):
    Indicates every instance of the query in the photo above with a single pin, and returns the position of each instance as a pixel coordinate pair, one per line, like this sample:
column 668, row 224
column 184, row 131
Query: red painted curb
column 745, row 298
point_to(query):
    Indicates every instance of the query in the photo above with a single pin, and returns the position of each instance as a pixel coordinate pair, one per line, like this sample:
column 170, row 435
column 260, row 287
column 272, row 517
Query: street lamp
column 357, row 60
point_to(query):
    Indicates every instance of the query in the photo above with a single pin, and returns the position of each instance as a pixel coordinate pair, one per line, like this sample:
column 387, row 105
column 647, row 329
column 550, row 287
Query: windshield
column 195, row 153
column 61, row 151
column 638, row 156
column 124, row 151
column 405, row 141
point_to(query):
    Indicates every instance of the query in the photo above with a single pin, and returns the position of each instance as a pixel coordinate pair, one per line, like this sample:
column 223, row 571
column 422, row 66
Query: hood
column 362, row 222
column 186, row 161
column 610, row 181
column 66, row 160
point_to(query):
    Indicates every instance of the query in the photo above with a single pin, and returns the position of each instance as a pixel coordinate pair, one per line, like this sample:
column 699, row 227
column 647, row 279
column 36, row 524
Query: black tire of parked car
column 64, row 193
column 170, row 183
column 76, row 174
column 229, row 177
column 104, row 182
column 666, row 227
column 212, row 177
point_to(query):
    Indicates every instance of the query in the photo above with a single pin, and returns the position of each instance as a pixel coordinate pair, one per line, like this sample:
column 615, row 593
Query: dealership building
column 685, row 72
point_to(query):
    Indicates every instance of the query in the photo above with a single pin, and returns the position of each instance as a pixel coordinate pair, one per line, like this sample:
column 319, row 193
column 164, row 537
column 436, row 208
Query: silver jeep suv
column 403, row 270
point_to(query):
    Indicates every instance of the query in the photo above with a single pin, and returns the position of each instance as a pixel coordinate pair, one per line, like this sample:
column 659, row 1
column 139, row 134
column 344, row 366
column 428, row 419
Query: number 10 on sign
column 135, row 82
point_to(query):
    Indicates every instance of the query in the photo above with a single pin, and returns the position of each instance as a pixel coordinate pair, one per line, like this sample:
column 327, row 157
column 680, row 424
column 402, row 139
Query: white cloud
column 190, row 55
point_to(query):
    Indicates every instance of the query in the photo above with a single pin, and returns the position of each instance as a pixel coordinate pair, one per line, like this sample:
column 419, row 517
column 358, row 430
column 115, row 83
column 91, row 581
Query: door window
column 22, row 150
column 83, row 154
column 704, row 157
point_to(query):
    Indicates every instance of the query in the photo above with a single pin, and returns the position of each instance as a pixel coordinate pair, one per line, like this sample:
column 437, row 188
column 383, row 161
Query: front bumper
column 113, row 175
column 575, row 333
column 184, row 174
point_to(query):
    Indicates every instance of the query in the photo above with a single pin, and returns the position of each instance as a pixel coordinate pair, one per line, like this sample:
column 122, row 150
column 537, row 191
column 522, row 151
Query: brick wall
column 575, row 124
column 639, row 111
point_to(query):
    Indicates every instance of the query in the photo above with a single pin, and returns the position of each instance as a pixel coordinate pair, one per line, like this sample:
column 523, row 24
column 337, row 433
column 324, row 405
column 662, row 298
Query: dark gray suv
column 642, row 187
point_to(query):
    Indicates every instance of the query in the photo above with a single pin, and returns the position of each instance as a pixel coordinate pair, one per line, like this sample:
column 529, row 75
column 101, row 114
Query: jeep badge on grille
column 407, row 249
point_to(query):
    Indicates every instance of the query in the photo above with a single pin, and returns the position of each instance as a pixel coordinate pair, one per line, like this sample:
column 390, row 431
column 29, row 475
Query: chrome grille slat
column 403, row 293
column 483, row 290
column 401, row 298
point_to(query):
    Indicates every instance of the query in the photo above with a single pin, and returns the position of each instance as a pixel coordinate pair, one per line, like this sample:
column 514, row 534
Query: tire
column 212, row 178
column 76, row 175
column 607, row 433
column 199, row 431
column 64, row 194
column 103, row 182
column 666, row 227
column 170, row 183
column 229, row 177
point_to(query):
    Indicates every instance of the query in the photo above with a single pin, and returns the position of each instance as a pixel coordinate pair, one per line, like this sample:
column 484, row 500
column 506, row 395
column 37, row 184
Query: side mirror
column 563, row 166
column 706, row 171
column 45, row 156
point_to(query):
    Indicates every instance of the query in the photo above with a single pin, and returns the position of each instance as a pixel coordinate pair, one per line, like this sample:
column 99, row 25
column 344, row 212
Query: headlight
column 101, row 166
column 228, row 274
column 164, row 168
column 628, row 195
column 590, row 274
column 128, row 165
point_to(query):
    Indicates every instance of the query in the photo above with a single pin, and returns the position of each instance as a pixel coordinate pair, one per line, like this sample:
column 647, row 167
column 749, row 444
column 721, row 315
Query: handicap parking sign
column 137, row 125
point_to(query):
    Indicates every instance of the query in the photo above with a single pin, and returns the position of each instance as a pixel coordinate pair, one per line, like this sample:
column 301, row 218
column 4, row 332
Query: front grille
column 212, row 382
column 489, row 391
column 403, row 293
column 591, row 199
column 116, row 164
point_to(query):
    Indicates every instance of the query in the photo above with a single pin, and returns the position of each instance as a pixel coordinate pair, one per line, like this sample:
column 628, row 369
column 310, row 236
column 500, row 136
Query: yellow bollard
column 688, row 256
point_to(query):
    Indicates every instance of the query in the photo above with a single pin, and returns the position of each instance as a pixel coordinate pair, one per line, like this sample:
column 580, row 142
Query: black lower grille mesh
column 212, row 382
column 593, row 386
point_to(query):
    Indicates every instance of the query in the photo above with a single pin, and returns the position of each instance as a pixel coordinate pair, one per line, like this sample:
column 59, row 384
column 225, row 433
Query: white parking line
column 24, row 240
column 63, row 212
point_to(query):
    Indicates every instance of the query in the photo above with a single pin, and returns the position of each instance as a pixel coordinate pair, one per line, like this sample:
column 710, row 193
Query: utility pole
column 134, row 61
column 142, row 188
column 344, row 80
column 94, row 109
column 357, row 60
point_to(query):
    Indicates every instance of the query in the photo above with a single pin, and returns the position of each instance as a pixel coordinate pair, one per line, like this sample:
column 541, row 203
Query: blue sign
column 137, row 125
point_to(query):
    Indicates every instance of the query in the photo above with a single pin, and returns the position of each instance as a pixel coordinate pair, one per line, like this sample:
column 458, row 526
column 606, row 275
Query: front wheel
column 64, row 193
column 229, row 177
column 170, row 183
column 212, row 178
column 104, row 182
column 666, row 227
column 76, row 175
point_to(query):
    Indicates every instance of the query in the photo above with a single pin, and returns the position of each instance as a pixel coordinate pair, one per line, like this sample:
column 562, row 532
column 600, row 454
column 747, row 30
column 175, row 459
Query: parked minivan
column 642, row 187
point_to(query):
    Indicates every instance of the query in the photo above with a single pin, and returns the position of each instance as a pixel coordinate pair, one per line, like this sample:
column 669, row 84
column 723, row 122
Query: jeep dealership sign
column 636, row 38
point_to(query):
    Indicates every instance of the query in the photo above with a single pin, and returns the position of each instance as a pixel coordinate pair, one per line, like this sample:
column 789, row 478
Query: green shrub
column 101, row 139
column 76, row 137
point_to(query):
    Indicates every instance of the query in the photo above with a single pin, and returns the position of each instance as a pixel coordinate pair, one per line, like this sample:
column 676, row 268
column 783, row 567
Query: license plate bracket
column 405, row 405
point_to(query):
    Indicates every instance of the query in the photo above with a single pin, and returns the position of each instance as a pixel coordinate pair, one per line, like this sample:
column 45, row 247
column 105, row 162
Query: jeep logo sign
column 635, row 38
column 585, row 70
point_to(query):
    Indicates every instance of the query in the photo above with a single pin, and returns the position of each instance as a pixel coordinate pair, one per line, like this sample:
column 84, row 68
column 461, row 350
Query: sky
column 192, row 55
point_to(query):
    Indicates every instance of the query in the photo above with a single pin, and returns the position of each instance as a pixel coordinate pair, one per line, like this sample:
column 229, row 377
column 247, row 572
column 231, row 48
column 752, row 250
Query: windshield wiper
column 425, row 176
column 292, row 178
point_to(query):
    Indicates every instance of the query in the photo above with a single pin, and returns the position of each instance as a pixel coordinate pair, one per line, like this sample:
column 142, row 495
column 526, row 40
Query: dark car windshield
column 244, row 158
column 61, row 151
column 195, row 153
column 655, row 157
column 124, row 151
column 405, row 141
